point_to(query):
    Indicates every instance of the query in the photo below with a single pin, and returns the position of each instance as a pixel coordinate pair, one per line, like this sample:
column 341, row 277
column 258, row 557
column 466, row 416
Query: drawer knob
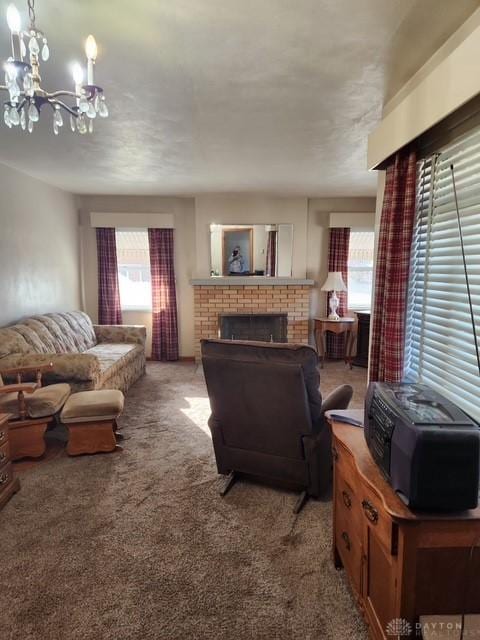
column 346, row 539
column 2, row 456
column 3, row 478
column 2, row 435
column 347, row 501
column 370, row 511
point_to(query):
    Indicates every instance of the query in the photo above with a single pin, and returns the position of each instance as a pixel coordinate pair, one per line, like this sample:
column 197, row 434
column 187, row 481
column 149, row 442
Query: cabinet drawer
column 378, row 519
column 6, row 476
column 347, row 501
column 366, row 506
column 4, row 454
column 349, row 548
column 343, row 460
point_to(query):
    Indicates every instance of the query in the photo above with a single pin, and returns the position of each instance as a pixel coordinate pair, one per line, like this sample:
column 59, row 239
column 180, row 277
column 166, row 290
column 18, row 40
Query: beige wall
column 250, row 209
column 192, row 219
column 183, row 213
column 39, row 248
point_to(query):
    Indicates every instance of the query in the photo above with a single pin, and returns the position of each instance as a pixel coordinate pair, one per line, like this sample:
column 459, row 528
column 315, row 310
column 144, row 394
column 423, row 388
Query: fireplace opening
column 264, row 327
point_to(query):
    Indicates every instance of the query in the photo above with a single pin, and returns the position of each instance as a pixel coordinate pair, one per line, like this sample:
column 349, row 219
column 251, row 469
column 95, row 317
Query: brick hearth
column 210, row 301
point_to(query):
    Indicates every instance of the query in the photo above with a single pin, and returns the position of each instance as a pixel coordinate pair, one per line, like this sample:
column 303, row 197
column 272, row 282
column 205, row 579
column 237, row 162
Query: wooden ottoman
column 91, row 419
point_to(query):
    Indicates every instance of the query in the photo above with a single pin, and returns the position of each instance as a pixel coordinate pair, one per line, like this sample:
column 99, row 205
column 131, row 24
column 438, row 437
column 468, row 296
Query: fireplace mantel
column 242, row 281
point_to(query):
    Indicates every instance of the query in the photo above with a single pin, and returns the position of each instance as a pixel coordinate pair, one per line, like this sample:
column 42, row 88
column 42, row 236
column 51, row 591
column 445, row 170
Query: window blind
column 133, row 258
column 440, row 345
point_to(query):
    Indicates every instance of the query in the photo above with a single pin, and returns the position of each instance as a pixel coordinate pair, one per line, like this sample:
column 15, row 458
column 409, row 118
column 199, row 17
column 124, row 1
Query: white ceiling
column 225, row 95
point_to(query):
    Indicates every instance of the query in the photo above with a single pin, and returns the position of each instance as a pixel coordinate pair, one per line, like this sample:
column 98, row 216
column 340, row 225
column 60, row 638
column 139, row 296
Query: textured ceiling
column 274, row 96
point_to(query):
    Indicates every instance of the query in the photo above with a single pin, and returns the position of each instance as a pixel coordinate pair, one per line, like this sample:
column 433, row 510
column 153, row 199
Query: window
column 360, row 269
column 133, row 258
column 440, row 345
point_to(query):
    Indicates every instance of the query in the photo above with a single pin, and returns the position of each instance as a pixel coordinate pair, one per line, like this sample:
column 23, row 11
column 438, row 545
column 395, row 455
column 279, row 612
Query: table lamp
column 334, row 283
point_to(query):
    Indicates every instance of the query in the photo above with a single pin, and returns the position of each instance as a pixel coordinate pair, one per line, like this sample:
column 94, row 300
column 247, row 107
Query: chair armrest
column 63, row 367
column 26, row 370
column 130, row 333
column 25, row 387
column 339, row 398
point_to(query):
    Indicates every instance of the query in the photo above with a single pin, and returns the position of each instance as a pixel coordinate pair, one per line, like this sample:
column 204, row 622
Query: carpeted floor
column 139, row 545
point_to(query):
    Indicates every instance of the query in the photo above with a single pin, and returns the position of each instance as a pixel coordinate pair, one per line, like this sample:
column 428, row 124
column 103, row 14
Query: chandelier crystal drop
column 26, row 96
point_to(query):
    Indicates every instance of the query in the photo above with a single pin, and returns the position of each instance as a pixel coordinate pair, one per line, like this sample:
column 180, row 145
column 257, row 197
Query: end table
column 343, row 325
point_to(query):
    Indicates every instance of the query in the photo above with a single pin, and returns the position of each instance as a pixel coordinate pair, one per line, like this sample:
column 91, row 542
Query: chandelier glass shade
column 26, row 96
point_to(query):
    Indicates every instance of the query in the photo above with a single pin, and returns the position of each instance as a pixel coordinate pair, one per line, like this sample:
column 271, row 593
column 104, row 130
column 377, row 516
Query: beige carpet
column 139, row 545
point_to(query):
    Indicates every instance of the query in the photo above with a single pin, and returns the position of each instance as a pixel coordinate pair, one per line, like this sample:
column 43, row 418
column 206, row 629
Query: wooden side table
column 344, row 325
column 8, row 484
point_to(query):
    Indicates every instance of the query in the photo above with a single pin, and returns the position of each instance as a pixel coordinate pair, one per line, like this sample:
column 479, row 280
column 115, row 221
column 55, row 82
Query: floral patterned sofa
column 85, row 355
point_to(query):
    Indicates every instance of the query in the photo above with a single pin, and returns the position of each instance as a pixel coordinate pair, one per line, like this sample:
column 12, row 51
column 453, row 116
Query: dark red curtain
column 338, row 261
column 271, row 266
column 392, row 270
column 164, row 297
column 109, row 309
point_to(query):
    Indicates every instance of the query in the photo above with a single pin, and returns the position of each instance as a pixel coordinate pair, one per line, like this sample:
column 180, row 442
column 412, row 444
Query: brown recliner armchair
column 267, row 413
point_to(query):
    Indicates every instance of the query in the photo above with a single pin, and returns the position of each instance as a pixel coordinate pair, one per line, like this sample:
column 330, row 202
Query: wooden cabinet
column 8, row 484
column 400, row 564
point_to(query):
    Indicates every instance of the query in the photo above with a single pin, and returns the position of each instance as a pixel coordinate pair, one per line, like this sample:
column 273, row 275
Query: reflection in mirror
column 251, row 250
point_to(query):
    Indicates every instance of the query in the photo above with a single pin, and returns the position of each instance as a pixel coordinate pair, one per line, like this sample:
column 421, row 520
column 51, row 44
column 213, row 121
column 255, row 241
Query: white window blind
column 133, row 258
column 360, row 269
column 440, row 346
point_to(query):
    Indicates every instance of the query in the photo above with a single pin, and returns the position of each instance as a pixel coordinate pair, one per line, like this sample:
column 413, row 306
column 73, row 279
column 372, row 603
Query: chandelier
column 27, row 98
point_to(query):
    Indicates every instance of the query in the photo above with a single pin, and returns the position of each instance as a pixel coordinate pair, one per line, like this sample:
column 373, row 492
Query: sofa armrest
column 131, row 333
column 81, row 367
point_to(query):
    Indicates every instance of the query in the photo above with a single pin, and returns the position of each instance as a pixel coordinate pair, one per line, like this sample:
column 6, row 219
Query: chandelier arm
column 65, row 106
column 57, row 94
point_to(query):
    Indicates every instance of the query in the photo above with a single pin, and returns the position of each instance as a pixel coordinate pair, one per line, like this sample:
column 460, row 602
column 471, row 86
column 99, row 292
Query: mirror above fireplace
column 251, row 250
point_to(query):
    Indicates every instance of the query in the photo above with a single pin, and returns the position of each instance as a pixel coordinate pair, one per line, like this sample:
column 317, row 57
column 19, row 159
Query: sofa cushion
column 80, row 328
column 114, row 356
column 30, row 336
column 44, row 402
column 49, row 343
column 91, row 406
column 76, row 329
column 59, row 335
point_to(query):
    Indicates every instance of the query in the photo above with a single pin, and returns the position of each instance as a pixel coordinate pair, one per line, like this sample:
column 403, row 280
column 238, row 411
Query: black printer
column 427, row 448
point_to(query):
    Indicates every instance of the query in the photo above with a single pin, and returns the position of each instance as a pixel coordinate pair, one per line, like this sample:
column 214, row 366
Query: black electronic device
column 427, row 448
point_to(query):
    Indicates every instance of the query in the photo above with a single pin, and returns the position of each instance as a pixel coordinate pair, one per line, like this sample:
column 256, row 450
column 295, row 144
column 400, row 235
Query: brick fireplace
column 212, row 301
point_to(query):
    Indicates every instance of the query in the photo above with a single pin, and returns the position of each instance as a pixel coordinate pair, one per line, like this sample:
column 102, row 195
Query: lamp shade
column 334, row 282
